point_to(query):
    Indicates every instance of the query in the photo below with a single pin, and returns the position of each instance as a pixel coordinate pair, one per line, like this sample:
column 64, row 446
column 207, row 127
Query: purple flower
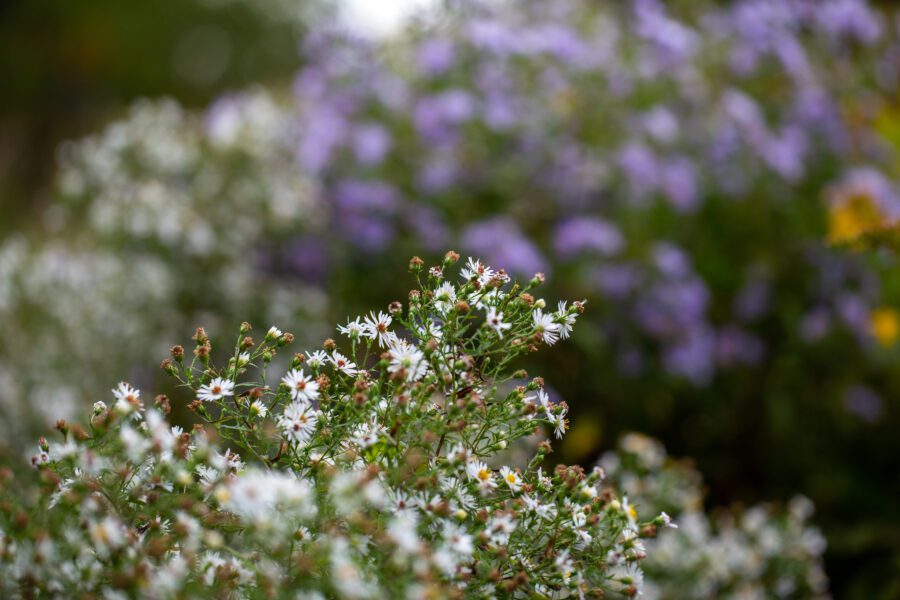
column 437, row 116
column 436, row 56
column 864, row 403
column 616, row 281
column 586, row 234
column 671, row 260
column 815, row 325
column 692, row 357
column 503, row 245
column 679, row 182
column 849, row 18
column 735, row 346
column 371, row 142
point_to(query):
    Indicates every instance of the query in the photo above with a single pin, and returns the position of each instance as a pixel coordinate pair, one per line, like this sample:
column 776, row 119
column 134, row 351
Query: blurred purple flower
column 735, row 346
column 586, row 234
column 503, row 245
column 815, row 325
column 371, row 142
column 436, row 56
column 863, row 402
column 692, row 357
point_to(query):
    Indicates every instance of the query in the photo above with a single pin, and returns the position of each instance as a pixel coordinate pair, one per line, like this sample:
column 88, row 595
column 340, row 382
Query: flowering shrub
column 366, row 470
column 667, row 161
column 760, row 552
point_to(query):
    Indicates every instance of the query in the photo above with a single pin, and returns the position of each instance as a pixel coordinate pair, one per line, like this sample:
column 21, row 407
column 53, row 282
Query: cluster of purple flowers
column 534, row 134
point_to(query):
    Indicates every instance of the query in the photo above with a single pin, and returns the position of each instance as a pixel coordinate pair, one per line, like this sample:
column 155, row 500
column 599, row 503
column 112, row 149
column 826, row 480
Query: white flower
column 544, row 325
column 303, row 387
column 376, row 328
column 298, row 422
column 475, row 270
column 125, row 392
column 511, row 478
column 667, row 520
column 258, row 409
column 567, row 320
column 479, row 472
column 274, row 333
column 367, row 435
column 494, row 320
column 458, row 540
column 565, row 566
column 353, row 329
column 444, row 298
column 216, row 389
column 343, row 364
column 316, row 359
column 409, row 358
column 128, row 399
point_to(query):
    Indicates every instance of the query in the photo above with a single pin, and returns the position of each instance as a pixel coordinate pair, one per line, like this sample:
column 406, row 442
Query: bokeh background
column 718, row 179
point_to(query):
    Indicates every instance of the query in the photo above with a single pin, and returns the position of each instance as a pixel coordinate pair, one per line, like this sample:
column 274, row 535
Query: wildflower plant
column 367, row 470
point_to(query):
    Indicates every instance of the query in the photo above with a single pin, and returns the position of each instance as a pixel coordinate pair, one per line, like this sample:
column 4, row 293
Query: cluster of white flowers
column 759, row 552
column 371, row 473
column 158, row 221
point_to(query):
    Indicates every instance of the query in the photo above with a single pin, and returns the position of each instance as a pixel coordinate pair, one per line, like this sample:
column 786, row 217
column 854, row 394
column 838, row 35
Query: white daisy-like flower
column 444, row 298
column 377, row 328
column 303, row 387
column 216, row 389
column 667, row 520
column 494, row 320
column 128, row 398
column 353, row 329
column 298, row 422
column 409, row 358
column 511, row 478
column 274, row 333
column 367, row 435
column 544, row 325
column 343, row 364
column 316, row 359
column 480, row 473
column 475, row 270
column 567, row 320
column 458, row 540
column 258, row 409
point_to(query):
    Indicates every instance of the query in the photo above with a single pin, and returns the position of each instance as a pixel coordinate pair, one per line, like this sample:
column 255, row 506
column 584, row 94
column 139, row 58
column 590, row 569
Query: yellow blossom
column 885, row 325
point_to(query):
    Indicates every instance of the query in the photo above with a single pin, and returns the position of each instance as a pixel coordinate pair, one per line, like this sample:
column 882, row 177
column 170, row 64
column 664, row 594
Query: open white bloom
column 376, row 328
column 409, row 358
column 216, row 389
column 567, row 321
column 474, row 269
column 544, row 325
column 124, row 391
column 298, row 421
column 258, row 409
column 511, row 478
column 128, row 399
column 445, row 298
column 303, row 387
column 274, row 333
column 343, row 364
column 481, row 474
column 494, row 319
column 316, row 359
column 353, row 329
